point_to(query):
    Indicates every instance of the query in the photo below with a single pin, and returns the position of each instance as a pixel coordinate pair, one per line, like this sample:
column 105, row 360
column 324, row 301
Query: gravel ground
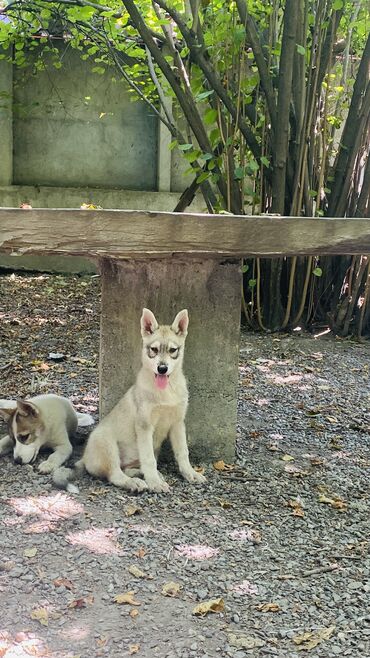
column 279, row 541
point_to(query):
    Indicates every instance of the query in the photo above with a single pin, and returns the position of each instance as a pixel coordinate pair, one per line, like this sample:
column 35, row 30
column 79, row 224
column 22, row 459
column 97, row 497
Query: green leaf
column 337, row 4
column 265, row 161
column 185, row 147
column 301, row 50
column 203, row 176
column 203, row 95
column 239, row 173
column 210, row 116
column 173, row 144
column 252, row 283
column 317, row 271
column 245, row 268
column 206, row 156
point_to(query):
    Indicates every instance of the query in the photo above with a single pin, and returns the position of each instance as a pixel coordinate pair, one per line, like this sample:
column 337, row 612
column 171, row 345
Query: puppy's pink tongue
column 161, row 381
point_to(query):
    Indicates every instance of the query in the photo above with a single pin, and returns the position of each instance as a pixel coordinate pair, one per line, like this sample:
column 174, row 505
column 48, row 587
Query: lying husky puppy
column 45, row 421
column 127, row 441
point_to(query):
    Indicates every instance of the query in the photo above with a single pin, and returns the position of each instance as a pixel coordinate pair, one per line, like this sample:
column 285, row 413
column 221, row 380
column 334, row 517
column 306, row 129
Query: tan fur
column 133, row 432
column 44, row 421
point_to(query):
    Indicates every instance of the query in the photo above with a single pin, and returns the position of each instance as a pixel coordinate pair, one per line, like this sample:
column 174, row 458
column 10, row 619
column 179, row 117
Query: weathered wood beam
column 125, row 234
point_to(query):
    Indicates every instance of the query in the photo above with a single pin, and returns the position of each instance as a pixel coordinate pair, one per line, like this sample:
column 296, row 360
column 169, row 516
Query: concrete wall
column 74, row 127
column 70, row 136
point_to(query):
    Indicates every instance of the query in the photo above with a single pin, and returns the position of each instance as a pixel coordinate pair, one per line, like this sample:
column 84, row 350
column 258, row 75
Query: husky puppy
column 44, row 421
column 127, row 441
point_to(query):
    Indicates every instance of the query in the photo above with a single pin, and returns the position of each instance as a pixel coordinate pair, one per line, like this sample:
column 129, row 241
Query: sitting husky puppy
column 45, row 421
column 127, row 441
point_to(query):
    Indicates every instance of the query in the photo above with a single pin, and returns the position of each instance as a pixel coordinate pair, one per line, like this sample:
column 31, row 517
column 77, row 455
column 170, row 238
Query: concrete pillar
column 210, row 290
column 6, row 123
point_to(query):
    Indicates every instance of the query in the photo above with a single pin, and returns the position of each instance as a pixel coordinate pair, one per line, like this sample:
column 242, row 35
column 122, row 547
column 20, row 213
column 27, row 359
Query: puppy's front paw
column 194, row 477
column 137, row 484
column 158, row 485
column 45, row 467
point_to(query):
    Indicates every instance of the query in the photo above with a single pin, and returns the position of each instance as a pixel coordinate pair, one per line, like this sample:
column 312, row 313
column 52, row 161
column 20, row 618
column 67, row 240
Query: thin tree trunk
column 281, row 141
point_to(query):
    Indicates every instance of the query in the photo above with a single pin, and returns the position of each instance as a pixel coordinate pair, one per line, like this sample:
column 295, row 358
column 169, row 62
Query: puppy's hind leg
column 114, row 473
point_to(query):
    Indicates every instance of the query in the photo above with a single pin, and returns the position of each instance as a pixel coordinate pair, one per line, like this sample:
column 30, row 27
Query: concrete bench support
column 210, row 290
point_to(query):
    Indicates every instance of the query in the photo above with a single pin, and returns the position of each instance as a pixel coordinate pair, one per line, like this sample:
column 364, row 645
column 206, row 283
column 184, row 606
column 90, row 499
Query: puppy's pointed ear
column 7, row 409
column 181, row 323
column 27, row 408
column 148, row 323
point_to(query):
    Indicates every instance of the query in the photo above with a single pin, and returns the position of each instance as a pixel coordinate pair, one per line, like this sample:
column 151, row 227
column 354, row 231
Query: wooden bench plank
column 122, row 234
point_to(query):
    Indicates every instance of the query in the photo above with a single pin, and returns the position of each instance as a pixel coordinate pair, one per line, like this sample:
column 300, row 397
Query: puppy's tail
column 62, row 476
column 84, row 420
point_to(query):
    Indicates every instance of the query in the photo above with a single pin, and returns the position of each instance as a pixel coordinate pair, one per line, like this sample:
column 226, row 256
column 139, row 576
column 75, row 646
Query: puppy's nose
column 18, row 460
column 162, row 369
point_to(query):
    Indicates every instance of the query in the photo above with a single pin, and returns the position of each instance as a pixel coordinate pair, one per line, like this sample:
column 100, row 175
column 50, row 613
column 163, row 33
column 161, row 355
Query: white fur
column 128, row 439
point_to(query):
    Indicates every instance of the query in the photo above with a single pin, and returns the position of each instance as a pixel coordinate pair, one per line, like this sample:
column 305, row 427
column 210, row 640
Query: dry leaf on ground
column 221, row 466
column 133, row 648
column 138, row 573
column 213, row 605
column 245, row 641
column 63, row 582
column 335, row 501
column 296, row 507
column 130, row 510
column 82, row 602
column 268, row 607
column 41, row 615
column 30, row 552
column 171, row 589
column 287, row 458
column 126, row 598
column 133, row 613
column 308, row 641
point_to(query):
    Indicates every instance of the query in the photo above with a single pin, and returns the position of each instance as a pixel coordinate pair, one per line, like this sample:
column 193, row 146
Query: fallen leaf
column 296, row 507
column 331, row 419
column 268, row 607
column 131, row 510
column 294, row 470
column 81, row 602
column 63, row 582
column 133, row 648
column 141, row 552
column 134, row 613
column 200, row 469
column 245, row 641
column 225, row 504
column 287, row 458
column 126, row 598
column 171, row 589
column 335, row 501
column 213, row 605
column 221, row 466
column 308, row 641
column 41, row 615
column 317, row 461
column 138, row 573
column 30, row 552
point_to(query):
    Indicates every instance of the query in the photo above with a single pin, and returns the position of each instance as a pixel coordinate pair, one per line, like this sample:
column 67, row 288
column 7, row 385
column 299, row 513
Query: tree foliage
column 271, row 106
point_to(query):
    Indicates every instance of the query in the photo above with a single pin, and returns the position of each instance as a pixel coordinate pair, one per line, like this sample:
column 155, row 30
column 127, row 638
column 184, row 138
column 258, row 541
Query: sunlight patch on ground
column 49, row 510
column 196, row 551
column 24, row 645
column 102, row 541
column 245, row 588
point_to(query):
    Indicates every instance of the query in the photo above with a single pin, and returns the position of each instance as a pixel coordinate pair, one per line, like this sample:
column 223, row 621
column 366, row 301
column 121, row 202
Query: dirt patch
column 278, row 541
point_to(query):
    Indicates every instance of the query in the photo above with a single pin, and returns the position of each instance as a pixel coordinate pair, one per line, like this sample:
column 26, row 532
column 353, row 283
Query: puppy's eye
column 22, row 438
column 154, row 350
column 173, row 350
